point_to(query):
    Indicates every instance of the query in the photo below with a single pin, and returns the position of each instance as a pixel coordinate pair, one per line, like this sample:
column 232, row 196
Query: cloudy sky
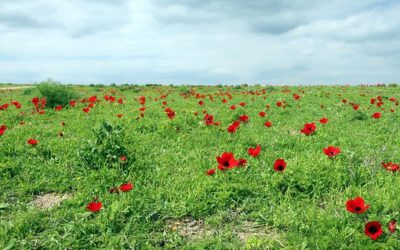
column 200, row 41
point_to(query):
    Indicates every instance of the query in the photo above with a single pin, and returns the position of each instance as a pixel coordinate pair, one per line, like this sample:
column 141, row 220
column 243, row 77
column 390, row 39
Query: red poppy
column 16, row 104
column 392, row 226
column 233, row 127
column 331, row 151
column 123, row 158
column 92, row 99
column 356, row 106
column 373, row 229
column 170, row 113
column 3, row 128
column 233, row 107
column 268, row 124
column 94, row 206
column 309, row 128
column 357, row 205
column 142, row 100
column 119, row 115
column 390, row 166
column 211, row 171
column 242, row 162
column 323, row 120
column 376, row 115
column 280, row 165
column 227, row 161
column 243, row 118
column 209, row 119
column 126, row 187
column 254, row 151
column 262, row 114
column 201, row 103
column 242, row 104
column 32, row 142
column 86, row 110
column 296, row 97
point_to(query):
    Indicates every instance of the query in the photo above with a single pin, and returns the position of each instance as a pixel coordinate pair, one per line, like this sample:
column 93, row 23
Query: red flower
column 126, row 187
column 233, row 127
column 254, row 151
column 58, row 107
column 92, row 99
column 227, row 161
column 209, row 119
column 309, row 128
column 123, row 158
column 391, row 166
column 376, row 115
column 296, row 97
column 233, row 107
column 242, row 162
column 86, row 110
column 94, row 206
column 278, row 104
column 119, row 115
column 373, row 229
column 268, row 124
column 3, row 128
column 356, row 106
column 211, row 171
column 201, row 103
column 323, row 120
column 243, row 118
column 142, row 100
column 170, row 113
column 392, row 226
column 262, row 114
column 120, row 101
column 32, row 142
column 242, row 104
column 357, row 205
column 280, row 165
column 331, row 151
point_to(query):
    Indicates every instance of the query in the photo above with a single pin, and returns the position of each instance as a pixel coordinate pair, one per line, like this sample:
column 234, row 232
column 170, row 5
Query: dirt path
column 15, row 87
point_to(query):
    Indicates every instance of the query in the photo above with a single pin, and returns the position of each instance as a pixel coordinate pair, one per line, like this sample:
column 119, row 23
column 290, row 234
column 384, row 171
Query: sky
column 200, row 41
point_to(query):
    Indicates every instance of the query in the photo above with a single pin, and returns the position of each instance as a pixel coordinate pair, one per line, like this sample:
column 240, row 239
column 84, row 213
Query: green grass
column 302, row 208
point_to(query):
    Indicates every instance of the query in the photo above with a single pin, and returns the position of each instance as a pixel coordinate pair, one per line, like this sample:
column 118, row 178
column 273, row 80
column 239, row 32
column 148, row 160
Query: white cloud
column 199, row 41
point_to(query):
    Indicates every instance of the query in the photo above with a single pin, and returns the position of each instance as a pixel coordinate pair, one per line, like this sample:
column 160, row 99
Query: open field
column 57, row 165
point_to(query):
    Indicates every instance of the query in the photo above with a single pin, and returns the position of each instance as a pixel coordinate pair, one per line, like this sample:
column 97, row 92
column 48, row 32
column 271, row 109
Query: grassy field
column 84, row 153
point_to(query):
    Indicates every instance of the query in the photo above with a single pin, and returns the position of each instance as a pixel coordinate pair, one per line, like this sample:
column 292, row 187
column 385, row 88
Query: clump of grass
column 56, row 93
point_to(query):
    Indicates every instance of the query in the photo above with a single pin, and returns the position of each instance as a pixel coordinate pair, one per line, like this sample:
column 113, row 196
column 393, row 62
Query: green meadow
column 45, row 189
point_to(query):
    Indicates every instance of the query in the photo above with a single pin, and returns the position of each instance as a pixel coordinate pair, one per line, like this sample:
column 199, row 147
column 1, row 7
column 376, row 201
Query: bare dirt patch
column 189, row 228
column 49, row 200
column 196, row 229
column 249, row 229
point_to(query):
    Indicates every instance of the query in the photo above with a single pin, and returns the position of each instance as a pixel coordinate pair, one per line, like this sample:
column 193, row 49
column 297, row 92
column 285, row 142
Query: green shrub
column 107, row 147
column 56, row 93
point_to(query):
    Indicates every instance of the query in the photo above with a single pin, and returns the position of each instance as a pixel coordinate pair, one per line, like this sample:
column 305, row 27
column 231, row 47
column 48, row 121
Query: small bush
column 107, row 148
column 55, row 93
